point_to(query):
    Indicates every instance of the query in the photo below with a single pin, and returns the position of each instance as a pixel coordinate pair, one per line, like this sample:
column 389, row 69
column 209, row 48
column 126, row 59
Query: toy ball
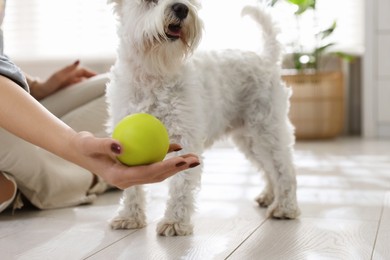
column 144, row 139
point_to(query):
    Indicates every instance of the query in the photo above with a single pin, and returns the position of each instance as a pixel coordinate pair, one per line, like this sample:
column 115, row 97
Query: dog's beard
column 164, row 57
column 165, row 45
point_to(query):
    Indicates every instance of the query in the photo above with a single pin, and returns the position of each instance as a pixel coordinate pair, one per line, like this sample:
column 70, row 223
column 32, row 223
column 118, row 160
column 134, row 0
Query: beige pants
column 46, row 180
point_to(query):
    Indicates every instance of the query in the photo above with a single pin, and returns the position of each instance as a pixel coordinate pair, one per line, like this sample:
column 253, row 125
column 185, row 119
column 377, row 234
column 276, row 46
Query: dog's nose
column 181, row 10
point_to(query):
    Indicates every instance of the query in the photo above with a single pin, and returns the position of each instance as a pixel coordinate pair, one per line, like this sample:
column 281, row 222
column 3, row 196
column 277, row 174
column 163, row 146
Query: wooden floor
column 343, row 192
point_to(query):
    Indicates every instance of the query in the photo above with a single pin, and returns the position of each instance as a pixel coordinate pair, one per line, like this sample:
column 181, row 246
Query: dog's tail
column 272, row 47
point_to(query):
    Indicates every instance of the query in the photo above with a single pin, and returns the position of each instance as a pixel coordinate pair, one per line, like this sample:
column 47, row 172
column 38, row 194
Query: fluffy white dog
column 201, row 97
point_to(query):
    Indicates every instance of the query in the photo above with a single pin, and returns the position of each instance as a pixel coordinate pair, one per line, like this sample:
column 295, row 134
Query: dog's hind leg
column 180, row 206
column 271, row 153
column 131, row 212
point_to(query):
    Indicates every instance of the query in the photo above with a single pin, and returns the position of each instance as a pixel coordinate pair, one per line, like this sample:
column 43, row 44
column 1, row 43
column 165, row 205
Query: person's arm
column 25, row 117
column 62, row 78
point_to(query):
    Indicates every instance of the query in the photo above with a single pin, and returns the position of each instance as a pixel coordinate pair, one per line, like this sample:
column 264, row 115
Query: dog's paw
column 170, row 229
column 265, row 199
column 127, row 223
column 283, row 212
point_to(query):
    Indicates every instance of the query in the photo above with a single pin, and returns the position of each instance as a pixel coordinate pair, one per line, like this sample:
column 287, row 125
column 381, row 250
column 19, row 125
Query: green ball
column 144, row 139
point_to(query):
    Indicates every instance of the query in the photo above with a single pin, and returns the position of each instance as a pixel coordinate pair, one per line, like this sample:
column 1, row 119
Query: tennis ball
column 144, row 139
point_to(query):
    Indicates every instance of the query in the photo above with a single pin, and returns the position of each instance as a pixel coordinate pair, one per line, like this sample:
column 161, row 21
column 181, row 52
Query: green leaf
column 313, row 4
column 325, row 33
column 274, row 2
column 321, row 49
column 303, row 5
column 345, row 56
column 297, row 2
column 297, row 63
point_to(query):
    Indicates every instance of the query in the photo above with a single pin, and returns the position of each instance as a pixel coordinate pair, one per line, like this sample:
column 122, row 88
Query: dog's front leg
column 131, row 212
column 180, row 206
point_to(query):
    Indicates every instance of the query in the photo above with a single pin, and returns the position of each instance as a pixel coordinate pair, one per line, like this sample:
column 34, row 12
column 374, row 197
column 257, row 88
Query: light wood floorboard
column 382, row 248
column 343, row 193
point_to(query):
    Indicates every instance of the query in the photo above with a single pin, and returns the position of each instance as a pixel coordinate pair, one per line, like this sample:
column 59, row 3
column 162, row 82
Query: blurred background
column 44, row 35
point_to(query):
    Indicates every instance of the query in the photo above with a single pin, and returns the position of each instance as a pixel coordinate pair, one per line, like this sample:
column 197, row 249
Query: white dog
column 201, row 97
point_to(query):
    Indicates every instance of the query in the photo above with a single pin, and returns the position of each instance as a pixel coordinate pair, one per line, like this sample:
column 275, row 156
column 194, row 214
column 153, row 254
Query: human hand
column 98, row 155
column 62, row 78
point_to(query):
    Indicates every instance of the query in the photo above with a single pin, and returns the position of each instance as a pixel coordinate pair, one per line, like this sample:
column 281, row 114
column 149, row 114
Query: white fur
column 201, row 97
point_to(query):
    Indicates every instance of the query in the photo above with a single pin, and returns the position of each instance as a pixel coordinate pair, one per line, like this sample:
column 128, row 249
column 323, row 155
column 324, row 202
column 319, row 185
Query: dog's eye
column 151, row 1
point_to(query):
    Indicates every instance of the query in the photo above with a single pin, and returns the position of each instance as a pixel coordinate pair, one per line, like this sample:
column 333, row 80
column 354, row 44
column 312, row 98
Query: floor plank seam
column 243, row 241
column 114, row 242
column 378, row 228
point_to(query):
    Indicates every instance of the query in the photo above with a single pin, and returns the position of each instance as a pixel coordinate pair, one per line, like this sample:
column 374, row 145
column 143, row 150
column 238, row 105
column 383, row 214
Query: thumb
column 109, row 146
column 95, row 145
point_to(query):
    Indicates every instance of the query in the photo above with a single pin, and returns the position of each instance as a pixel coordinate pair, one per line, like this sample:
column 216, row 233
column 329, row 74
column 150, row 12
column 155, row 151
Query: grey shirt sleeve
column 10, row 70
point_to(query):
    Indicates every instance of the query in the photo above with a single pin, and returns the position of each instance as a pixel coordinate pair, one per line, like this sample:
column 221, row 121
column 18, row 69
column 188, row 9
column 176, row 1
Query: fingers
column 174, row 148
column 108, row 146
column 71, row 67
column 157, row 172
column 78, row 74
column 103, row 152
column 178, row 163
column 85, row 73
column 191, row 161
column 160, row 171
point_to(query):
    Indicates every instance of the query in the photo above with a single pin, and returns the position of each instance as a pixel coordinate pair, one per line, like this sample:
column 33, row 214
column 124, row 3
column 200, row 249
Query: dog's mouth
column 173, row 31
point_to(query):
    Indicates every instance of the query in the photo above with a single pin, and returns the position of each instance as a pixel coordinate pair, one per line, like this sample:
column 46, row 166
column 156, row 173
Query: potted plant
column 317, row 102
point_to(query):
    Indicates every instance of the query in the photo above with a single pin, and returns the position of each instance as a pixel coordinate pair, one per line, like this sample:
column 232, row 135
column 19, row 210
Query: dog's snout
column 180, row 10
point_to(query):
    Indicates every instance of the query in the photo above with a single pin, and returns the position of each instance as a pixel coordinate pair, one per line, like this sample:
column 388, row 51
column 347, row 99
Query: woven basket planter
column 317, row 104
